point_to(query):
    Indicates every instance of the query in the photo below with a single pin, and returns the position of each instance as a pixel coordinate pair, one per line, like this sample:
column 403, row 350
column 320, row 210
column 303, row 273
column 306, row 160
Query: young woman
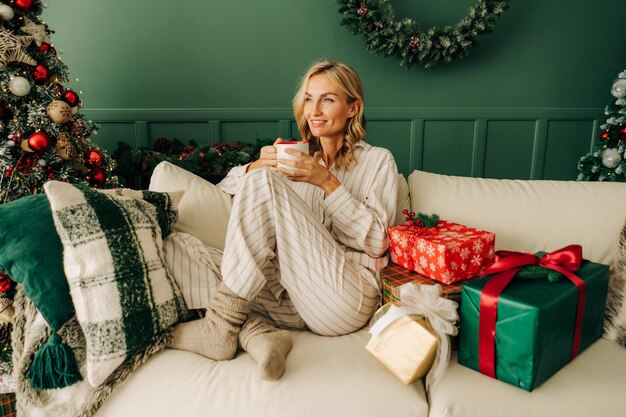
column 305, row 244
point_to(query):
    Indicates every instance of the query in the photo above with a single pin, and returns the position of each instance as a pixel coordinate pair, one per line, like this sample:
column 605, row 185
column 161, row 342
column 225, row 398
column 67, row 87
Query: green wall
column 526, row 103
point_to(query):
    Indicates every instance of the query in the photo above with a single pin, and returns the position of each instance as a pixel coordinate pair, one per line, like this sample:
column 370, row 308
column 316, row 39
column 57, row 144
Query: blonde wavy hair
column 348, row 80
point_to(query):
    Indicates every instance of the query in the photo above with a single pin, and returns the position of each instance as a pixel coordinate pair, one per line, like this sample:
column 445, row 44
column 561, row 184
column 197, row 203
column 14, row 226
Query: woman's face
column 326, row 107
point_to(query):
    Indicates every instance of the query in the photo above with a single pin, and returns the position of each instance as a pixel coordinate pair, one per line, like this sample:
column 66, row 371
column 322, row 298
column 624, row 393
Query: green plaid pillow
column 113, row 260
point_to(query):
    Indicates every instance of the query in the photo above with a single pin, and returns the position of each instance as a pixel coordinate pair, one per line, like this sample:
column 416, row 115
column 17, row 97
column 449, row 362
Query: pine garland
column 407, row 42
column 205, row 159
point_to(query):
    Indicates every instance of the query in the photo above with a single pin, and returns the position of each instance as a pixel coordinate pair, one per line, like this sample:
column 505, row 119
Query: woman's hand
column 307, row 169
column 267, row 158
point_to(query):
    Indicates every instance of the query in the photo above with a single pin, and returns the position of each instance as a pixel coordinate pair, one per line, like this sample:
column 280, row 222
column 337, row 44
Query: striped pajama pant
column 280, row 257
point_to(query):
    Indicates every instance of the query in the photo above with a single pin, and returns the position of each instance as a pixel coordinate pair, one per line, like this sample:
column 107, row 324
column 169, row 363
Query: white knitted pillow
column 113, row 260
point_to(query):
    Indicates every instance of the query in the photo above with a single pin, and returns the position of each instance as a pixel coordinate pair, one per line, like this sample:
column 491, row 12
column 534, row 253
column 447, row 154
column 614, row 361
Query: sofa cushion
column 204, row 209
column 404, row 200
column 615, row 323
column 325, row 376
column 113, row 261
column 527, row 215
column 593, row 384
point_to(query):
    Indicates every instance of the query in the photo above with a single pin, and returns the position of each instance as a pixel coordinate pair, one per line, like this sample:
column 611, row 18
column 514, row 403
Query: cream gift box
column 406, row 347
column 412, row 337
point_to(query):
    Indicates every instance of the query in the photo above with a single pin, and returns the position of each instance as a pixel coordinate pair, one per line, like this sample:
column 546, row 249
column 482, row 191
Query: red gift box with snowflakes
column 448, row 252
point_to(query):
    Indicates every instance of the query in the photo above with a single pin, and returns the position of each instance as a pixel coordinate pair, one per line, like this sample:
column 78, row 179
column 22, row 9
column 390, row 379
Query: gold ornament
column 59, row 112
column 25, row 146
column 11, row 48
column 38, row 32
column 65, row 147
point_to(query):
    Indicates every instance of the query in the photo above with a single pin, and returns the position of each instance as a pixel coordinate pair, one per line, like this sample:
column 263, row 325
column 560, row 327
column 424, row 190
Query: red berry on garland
column 94, row 158
column 405, row 211
column 71, row 98
column 362, row 11
column 41, row 74
column 97, row 177
column 24, row 5
column 604, row 135
column 39, row 142
column 415, row 42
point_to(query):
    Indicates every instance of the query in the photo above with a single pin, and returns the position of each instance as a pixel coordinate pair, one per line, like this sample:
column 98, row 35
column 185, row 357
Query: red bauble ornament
column 24, row 5
column 94, row 158
column 39, row 142
column 97, row 177
column 604, row 135
column 71, row 98
column 58, row 89
column 41, row 74
column 46, row 47
column 5, row 283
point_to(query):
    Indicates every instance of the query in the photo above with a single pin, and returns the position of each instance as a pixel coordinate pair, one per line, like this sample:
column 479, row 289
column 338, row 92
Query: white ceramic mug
column 281, row 147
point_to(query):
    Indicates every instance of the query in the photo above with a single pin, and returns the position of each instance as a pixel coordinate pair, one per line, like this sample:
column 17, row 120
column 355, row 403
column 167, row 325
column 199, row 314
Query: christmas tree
column 43, row 136
column 607, row 162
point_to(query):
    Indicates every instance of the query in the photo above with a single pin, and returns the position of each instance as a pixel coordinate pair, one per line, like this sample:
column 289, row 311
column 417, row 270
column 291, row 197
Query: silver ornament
column 619, row 88
column 19, row 86
column 611, row 158
column 6, row 12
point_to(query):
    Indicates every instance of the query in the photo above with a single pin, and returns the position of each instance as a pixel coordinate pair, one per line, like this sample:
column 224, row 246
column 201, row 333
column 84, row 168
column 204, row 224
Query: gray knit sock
column 268, row 346
column 215, row 335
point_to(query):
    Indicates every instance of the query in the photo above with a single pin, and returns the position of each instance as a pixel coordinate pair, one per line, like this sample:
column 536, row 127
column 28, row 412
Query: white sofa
column 336, row 376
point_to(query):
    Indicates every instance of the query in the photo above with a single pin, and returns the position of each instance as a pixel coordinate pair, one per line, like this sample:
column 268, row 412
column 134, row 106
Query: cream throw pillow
column 404, row 201
column 204, row 209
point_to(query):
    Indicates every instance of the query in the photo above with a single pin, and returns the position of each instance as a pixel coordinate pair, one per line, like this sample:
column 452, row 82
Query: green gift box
column 534, row 330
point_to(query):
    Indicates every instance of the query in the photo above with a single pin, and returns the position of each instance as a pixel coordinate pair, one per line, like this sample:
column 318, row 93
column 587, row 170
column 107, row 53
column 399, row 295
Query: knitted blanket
column 78, row 400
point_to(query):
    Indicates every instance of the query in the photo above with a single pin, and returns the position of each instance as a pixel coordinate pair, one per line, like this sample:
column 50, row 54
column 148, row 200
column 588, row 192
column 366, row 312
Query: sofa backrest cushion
column 528, row 215
column 404, row 200
column 204, row 209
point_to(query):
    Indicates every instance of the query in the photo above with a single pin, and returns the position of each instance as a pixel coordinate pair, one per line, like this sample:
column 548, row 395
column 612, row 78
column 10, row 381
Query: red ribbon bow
column 507, row 263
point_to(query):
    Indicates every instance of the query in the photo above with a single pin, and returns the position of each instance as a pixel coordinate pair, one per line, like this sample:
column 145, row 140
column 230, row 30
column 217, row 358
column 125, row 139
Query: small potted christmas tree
column 606, row 162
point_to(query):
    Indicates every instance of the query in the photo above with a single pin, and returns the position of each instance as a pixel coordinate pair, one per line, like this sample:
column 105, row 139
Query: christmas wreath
column 404, row 39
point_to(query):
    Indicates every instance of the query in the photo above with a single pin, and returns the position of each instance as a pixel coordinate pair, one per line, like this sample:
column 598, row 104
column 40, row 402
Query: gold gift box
column 407, row 347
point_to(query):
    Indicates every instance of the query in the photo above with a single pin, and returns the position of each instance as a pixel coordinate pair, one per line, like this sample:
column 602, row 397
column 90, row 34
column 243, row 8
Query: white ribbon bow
column 441, row 314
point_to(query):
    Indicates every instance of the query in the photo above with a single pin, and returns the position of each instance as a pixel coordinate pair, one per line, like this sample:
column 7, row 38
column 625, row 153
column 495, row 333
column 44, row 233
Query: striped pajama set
column 304, row 259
